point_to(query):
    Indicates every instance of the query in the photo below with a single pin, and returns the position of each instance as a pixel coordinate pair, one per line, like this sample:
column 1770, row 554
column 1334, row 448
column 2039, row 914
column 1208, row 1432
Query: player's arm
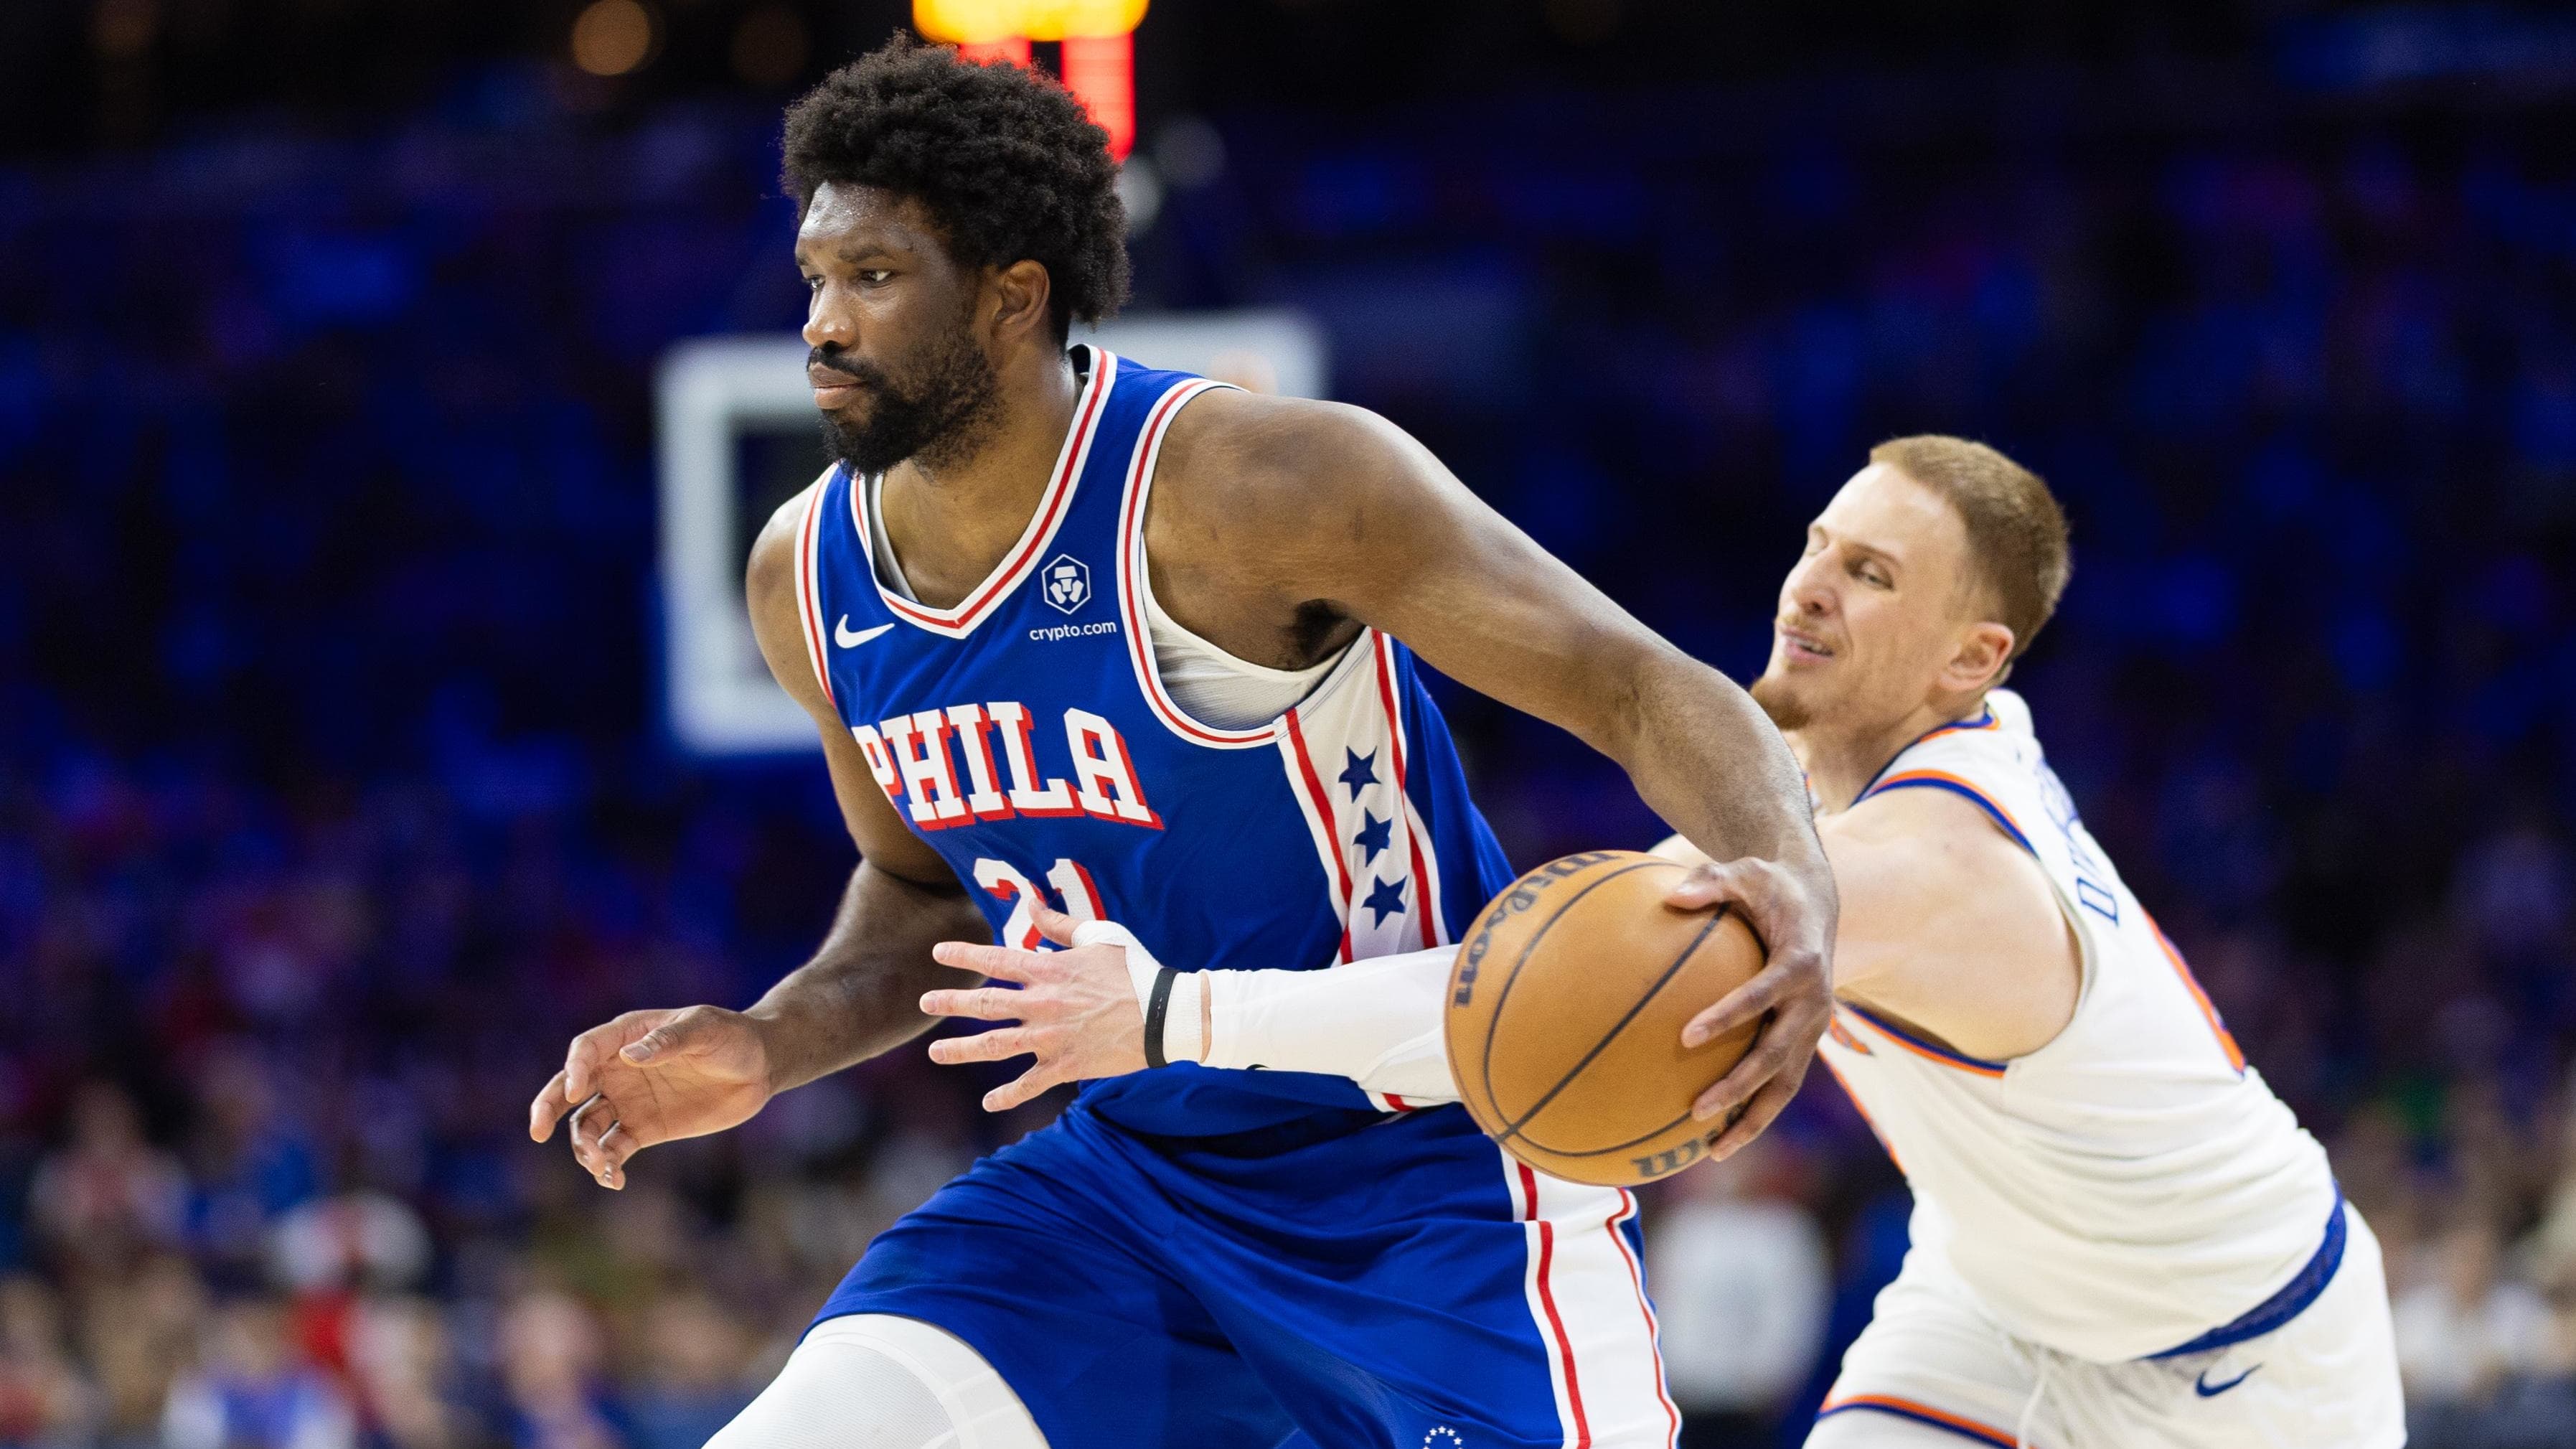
column 1947, row 924
column 662, row 1074
column 1084, row 1012
column 1309, row 505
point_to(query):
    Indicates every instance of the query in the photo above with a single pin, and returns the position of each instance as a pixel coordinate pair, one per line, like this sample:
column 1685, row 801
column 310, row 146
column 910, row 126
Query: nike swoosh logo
column 2203, row 1387
column 842, row 636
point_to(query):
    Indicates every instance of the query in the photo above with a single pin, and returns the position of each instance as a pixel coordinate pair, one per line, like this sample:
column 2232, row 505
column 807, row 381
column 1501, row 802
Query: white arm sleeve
column 1377, row 1022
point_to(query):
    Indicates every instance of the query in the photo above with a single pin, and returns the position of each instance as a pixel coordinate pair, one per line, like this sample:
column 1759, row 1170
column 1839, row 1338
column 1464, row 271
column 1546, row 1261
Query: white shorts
column 1933, row 1367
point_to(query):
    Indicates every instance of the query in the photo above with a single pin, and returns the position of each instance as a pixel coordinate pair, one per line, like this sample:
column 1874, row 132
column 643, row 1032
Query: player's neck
column 951, row 518
column 1841, row 762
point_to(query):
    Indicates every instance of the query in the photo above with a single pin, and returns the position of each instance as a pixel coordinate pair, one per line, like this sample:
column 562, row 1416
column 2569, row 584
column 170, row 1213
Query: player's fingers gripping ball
column 1565, row 1017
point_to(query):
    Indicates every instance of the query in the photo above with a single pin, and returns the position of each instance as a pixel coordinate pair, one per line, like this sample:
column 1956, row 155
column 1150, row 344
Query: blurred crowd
column 333, row 798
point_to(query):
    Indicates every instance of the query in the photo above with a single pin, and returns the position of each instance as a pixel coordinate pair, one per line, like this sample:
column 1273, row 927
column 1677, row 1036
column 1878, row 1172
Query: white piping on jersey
column 1426, row 861
column 809, row 594
column 1587, row 1295
column 1137, row 611
column 1209, row 684
column 1054, row 506
column 1217, row 688
column 1336, row 708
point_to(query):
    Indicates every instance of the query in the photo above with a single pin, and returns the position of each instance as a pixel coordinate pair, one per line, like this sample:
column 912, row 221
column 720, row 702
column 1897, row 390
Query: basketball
column 1565, row 1016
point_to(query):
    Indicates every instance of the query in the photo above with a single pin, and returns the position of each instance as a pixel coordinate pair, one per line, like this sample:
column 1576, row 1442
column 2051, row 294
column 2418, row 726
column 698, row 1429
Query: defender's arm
column 1947, row 924
column 1316, row 504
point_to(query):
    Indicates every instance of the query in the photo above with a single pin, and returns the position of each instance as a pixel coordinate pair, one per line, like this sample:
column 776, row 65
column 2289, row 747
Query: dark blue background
column 329, row 758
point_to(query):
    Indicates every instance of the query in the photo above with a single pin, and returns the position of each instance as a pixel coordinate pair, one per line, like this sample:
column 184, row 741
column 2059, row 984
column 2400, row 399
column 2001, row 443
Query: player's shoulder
column 1937, row 822
column 1263, row 430
column 770, row 573
column 1250, row 457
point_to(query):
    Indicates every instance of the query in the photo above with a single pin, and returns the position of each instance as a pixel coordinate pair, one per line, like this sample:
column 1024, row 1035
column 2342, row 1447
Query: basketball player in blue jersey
column 1089, row 638
column 2120, row 1236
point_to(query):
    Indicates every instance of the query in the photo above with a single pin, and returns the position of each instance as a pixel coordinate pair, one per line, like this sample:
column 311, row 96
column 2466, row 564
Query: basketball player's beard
column 940, row 413
column 1778, row 700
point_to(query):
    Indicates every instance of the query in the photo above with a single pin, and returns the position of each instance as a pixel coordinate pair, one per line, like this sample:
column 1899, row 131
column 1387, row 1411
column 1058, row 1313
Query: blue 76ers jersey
column 1027, row 737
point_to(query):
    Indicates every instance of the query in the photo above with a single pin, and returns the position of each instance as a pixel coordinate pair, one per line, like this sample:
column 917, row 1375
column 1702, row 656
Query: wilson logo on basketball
column 1521, row 895
column 1564, row 1024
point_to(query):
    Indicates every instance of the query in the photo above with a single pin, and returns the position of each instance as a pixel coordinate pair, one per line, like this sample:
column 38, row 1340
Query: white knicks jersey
column 2127, row 1187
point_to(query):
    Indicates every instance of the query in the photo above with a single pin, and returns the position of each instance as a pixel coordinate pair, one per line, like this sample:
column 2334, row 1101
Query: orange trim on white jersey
column 1922, row 1413
column 2208, row 1009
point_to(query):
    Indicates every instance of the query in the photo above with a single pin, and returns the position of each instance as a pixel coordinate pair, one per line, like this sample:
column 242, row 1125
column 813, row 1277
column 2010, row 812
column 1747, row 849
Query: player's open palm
column 1075, row 1011
column 650, row 1077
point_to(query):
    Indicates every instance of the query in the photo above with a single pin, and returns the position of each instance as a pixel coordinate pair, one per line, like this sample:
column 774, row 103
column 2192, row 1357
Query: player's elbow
column 1642, row 687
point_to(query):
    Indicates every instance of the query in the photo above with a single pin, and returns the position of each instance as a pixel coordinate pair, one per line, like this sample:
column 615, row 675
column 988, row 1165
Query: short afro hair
column 1003, row 158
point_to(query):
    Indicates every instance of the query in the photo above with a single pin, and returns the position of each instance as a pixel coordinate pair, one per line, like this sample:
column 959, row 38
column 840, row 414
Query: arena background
column 336, row 791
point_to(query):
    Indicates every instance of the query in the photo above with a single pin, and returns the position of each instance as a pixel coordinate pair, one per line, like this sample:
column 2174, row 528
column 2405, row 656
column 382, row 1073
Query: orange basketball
column 1565, row 1017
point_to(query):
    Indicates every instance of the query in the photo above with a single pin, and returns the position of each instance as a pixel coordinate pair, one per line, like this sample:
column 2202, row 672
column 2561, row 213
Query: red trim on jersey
column 1090, row 888
column 1132, row 582
column 810, row 592
column 1133, row 783
column 1385, row 649
column 1007, row 891
column 1332, row 829
column 975, row 747
column 1547, row 1300
column 2208, row 1009
column 934, row 750
column 1035, row 782
column 1654, row 1330
column 1050, row 511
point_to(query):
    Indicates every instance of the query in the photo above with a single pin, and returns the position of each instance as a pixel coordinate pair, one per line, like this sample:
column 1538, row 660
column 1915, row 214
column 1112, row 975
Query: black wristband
column 1158, row 1005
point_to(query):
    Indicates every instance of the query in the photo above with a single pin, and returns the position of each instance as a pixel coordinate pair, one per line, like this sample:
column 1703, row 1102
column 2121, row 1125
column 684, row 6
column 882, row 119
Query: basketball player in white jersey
column 2121, row 1238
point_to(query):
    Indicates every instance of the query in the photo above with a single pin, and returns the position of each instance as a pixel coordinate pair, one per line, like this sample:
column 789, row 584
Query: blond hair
column 2016, row 532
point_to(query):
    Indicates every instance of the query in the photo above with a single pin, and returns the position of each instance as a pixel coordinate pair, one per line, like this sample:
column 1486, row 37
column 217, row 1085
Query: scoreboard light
column 1098, row 47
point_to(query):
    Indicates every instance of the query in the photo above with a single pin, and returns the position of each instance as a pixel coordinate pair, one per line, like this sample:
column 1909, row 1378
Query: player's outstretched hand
column 653, row 1076
column 1076, row 1010
column 1792, row 995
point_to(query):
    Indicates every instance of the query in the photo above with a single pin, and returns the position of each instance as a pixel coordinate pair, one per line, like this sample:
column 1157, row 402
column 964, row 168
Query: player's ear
column 1016, row 298
column 1983, row 652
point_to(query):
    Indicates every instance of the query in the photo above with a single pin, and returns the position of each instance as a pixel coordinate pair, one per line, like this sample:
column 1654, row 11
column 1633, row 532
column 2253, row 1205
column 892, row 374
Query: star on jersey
column 1385, row 897
column 1374, row 834
column 1362, row 770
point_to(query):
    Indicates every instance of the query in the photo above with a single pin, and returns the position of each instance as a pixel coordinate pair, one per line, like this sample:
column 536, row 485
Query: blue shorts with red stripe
column 1346, row 1280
